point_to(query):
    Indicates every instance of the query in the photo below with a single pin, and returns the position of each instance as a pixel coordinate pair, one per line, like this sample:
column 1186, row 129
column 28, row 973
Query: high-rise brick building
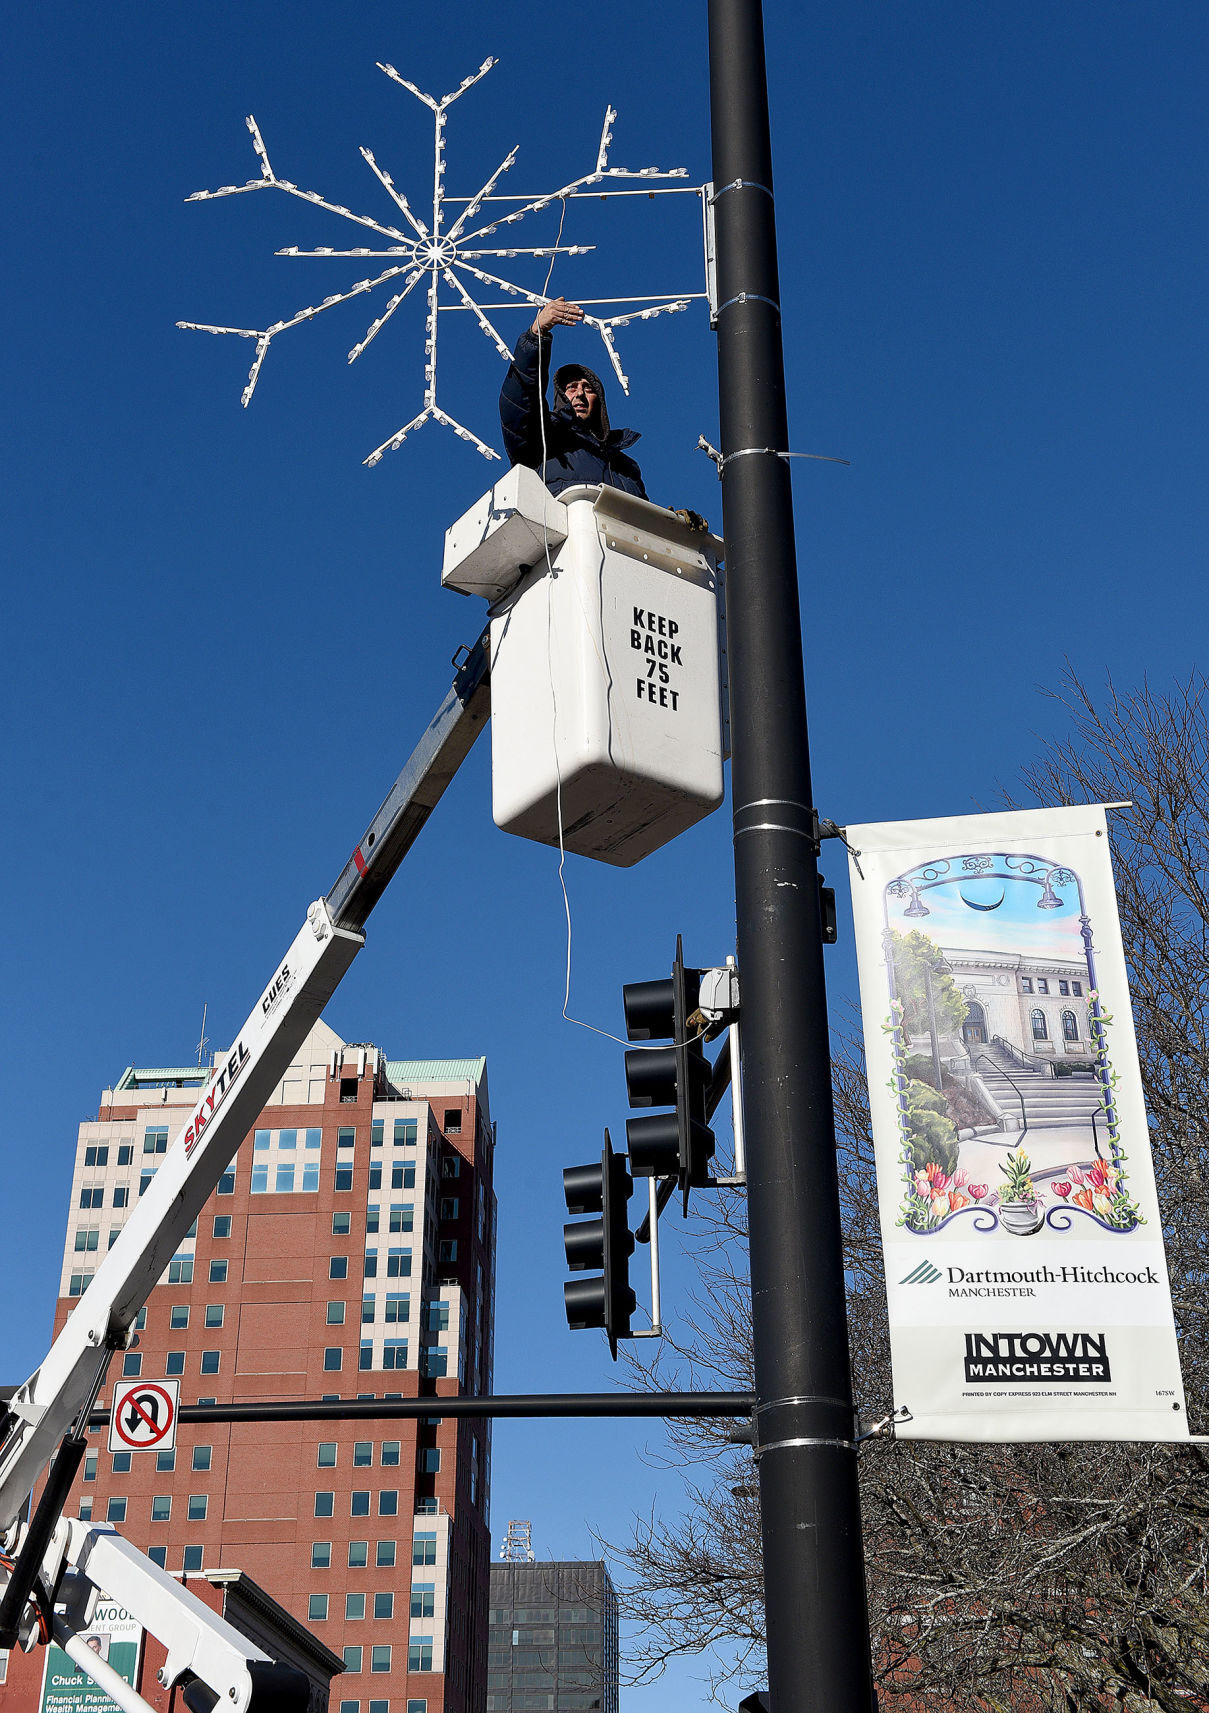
column 348, row 1252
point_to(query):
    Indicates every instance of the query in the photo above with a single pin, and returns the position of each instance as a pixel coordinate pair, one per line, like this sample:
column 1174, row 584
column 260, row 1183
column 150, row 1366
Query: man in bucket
column 580, row 445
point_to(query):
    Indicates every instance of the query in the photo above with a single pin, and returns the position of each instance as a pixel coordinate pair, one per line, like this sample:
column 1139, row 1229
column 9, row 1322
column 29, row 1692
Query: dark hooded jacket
column 573, row 452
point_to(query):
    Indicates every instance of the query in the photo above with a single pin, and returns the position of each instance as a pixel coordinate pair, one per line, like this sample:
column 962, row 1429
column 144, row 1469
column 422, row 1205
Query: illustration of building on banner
column 1026, row 1277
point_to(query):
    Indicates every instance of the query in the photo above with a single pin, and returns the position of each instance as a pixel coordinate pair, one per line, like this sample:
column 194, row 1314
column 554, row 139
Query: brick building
column 348, row 1252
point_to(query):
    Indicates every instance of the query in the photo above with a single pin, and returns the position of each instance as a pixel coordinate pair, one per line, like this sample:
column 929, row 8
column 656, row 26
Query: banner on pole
column 113, row 1636
column 1025, row 1270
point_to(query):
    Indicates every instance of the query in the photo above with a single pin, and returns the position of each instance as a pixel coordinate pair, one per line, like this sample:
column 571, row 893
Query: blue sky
column 224, row 634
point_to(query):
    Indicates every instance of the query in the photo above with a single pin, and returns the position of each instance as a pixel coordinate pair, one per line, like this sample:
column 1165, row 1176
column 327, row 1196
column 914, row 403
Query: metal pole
column 817, row 1623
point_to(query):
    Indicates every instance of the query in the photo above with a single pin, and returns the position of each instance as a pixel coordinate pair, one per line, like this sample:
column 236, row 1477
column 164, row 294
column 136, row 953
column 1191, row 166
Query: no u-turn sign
column 144, row 1415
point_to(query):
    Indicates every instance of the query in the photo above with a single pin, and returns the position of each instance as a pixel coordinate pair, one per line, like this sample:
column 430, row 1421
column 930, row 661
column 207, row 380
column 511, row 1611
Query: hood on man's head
column 580, row 372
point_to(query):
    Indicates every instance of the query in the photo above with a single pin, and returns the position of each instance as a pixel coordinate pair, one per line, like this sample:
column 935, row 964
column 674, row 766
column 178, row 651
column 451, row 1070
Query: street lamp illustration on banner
column 448, row 254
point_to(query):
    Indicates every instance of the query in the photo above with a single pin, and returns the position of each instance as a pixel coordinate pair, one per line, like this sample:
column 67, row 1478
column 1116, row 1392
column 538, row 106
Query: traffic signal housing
column 678, row 1143
column 607, row 1300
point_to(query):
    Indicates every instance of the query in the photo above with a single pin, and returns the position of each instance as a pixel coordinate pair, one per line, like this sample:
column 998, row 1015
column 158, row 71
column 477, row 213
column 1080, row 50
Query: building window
column 346, row 1137
column 424, row 1547
column 342, row 1224
column 165, row 1462
column 390, row 1453
column 402, row 1177
column 222, row 1225
column 384, row 1605
column 156, row 1141
column 132, row 1365
column 375, row 1175
column 379, row 1657
column 78, row 1284
column 174, row 1363
column 402, row 1217
column 140, row 1320
column 398, row 1306
column 321, row 1555
column 202, row 1455
column 352, row 1659
column 90, row 1466
column 198, row 1505
column 178, row 1317
column 378, row 1706
column 214, row 1314
column 354, row 1606
column 145, row 1177
column 337, row 1267
column 226, row 1184
column 438, row 1317
column 453, row 1120
column 358, row 1555
column 385, row 1555
column 325, row 1504
column 218, row 1272
column 1042, row 984
column 335, row 1314
column 86, row 1240
column 1064, row 987
column 447, row 1249
column 377, row 1128
column 316, row 1608
column 121, row 1196
column 115, row 1511
column 125, row 1154
column 326, row 1456
column 1040, row 1028
column 209, row 1361
column 423, row 1599
column 420, row 1706
column 394, row 1353
column 434, row 1362
column 1026, row 984
column 419, row 1653
column 372, row 1220
column 192, row 1559
column 333, row 1359
column 121, row 1463
column 96, row 1156
column 359, row 1504
column 367, row 1310
column 180, row 1270
column 93, row 1197
column 348, row 1091
column 365, row 1354
column 344, row 1177
column 158, row 1555
column 449, row 1207
column 161, row 1508
column 1070, row 1026
column 398, row 1264
column 388, row 1502
column 371, row 1264
column 429, row 1460
column 405, row 1133
column 1076, row 988
column 363, row 1454
column 426, row 1507
column 451, row 1166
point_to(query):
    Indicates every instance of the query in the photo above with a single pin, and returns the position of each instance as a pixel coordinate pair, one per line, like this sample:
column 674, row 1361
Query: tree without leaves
column 1037, row 1578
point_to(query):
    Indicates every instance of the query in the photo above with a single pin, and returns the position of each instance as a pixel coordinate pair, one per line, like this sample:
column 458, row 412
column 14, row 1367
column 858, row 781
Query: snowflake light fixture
column 449, row 254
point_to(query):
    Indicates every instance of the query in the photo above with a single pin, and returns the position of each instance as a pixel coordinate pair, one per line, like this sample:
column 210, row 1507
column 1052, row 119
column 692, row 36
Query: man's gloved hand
column 693, row 520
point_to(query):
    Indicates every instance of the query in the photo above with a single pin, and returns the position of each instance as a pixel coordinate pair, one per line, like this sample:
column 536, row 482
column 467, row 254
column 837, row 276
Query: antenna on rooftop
column 202, row 1040
column 517, row 1545
column 450, row 255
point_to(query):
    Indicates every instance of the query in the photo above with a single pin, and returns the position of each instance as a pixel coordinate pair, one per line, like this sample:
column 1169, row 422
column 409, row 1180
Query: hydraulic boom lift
column 52, row 1567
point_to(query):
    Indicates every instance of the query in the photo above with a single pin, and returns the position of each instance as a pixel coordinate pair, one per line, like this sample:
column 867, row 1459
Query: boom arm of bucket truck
column 44, row 1424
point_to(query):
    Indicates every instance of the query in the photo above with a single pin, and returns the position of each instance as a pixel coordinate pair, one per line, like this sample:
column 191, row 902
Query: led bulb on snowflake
column 444, row 254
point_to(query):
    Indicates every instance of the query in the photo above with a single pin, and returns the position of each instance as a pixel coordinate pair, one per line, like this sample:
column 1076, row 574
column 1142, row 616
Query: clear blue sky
column 224, row 635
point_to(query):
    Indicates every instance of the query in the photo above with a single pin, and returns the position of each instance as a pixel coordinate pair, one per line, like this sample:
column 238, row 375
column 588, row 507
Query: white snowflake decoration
column 444, row 254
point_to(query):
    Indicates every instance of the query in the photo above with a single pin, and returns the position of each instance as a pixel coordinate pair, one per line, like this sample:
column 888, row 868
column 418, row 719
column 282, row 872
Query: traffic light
column 607, row 1243
column 678, row 1143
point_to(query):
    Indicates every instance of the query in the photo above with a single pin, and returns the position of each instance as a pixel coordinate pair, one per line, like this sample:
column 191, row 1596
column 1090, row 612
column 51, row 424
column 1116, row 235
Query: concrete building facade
column 348, row 1252
column 553, row 1639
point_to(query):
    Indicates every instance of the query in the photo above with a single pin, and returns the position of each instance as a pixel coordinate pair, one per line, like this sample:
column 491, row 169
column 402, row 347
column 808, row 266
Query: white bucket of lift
column 606, row 687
